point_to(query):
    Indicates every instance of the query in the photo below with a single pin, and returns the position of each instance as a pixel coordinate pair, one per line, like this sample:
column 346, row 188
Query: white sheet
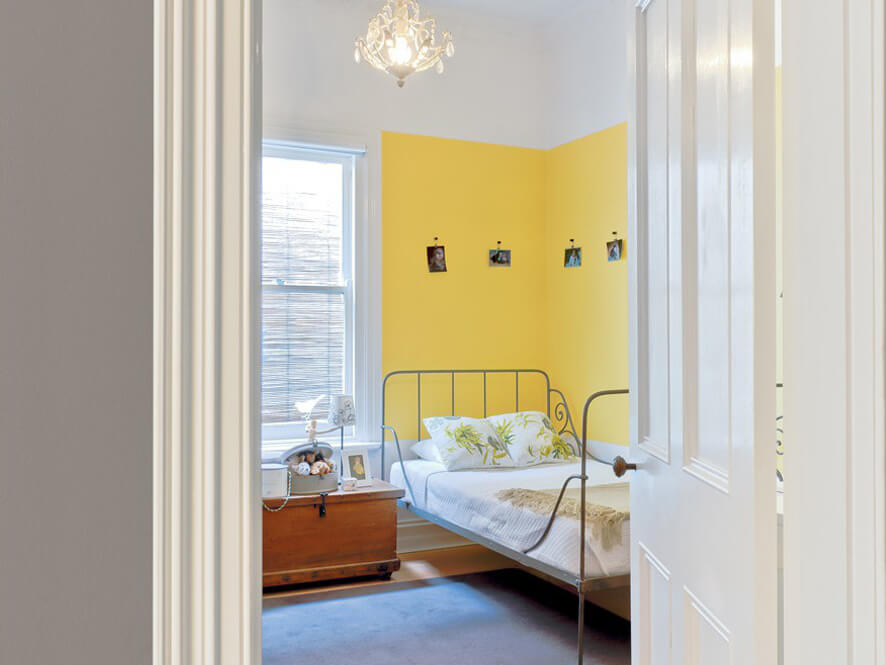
column 467, row 498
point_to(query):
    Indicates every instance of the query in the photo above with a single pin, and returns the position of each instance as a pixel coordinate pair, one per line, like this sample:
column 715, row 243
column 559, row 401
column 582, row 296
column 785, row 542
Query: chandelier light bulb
column 401, row 42
column 401, row 54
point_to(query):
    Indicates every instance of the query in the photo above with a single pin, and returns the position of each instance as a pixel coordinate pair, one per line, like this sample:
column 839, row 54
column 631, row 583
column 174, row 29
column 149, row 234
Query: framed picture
column 499, row 258
column 572, row 257
column 355, row 464
column 613, row 250
column 437, row 258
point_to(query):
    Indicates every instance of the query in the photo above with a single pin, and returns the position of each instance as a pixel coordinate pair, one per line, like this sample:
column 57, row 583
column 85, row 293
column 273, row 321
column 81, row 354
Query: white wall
column 75, row 332
column 586, row 70
column 514, row 80
column 491, row 90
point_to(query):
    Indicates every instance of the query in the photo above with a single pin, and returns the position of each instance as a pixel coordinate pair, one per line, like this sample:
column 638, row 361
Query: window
column 307, row 285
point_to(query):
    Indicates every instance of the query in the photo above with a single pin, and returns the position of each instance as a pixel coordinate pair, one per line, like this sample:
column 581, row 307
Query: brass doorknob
column 620, row 466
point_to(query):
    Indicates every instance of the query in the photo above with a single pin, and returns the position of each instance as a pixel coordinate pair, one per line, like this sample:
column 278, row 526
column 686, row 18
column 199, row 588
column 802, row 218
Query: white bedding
column 467, row 498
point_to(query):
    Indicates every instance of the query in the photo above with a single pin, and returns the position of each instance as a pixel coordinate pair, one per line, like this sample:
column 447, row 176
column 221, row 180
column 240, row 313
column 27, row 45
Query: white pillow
column 426, row 449
column 467, row 443
column 530, row 438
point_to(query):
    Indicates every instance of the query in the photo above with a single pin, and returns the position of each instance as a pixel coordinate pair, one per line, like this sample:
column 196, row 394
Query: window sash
column 278, row 431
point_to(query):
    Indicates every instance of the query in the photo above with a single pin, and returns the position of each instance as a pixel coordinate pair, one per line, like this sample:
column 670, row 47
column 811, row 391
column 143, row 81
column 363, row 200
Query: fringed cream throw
column 606, row 507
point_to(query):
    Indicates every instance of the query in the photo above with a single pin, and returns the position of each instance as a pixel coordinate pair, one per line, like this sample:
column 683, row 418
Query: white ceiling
column 522, row 9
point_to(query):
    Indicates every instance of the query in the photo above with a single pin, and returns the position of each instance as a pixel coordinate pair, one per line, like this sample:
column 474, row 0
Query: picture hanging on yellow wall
column 436, row 258
column 499, row 258
column 572, row 257
column 613, row 250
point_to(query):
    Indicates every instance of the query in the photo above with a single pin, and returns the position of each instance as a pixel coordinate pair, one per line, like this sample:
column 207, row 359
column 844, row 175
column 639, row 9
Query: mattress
column 468, row 499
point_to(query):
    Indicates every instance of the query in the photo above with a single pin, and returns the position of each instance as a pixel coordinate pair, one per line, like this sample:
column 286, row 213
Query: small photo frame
column 572, row 257
column 356, row 465
column 614, row 250
column 437, row 258
column 499, row 258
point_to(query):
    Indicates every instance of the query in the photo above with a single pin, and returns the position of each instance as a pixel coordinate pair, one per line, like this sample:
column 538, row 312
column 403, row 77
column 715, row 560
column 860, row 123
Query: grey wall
column 75, row 331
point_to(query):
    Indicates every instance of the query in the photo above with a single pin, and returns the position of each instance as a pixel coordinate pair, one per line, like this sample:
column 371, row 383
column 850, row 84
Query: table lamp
column 341, row 414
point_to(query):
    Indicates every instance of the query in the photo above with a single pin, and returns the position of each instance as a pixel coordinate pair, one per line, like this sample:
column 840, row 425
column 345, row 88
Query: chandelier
column 400, row 42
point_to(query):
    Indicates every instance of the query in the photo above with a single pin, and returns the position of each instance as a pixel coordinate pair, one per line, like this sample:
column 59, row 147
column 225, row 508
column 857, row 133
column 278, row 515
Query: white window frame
column 361, row 273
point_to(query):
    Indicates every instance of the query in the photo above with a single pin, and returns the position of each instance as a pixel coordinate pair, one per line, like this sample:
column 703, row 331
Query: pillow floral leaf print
column 466, row 443
column 510, row 440
column 469, row 438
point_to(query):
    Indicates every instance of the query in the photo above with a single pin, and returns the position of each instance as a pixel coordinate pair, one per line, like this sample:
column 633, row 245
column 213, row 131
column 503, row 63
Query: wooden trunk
column 356, row 537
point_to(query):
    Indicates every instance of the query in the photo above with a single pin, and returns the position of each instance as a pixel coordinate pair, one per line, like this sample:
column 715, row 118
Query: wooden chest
column 345, row 534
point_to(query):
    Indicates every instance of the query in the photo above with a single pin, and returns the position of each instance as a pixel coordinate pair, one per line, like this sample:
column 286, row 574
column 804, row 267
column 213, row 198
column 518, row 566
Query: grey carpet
column 504, row 617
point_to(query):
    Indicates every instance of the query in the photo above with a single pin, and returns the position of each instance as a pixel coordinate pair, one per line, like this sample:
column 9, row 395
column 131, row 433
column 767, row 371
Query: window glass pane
column 303, row 352
column 301, row 221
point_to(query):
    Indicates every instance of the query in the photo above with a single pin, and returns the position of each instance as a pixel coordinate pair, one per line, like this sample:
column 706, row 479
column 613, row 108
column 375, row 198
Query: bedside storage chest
column 332, row 536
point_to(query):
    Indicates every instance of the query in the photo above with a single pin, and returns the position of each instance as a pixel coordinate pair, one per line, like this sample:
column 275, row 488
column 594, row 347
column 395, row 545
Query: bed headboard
column 556, row 407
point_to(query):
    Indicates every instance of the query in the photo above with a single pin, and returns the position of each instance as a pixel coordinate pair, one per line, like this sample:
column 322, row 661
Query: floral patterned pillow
column 467, row 443
column 531, row 438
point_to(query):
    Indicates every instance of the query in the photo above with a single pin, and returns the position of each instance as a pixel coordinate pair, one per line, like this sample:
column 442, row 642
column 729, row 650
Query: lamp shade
column 342, row 412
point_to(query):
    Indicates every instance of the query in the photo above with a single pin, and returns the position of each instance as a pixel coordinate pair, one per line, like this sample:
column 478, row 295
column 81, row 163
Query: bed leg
column 581, row 626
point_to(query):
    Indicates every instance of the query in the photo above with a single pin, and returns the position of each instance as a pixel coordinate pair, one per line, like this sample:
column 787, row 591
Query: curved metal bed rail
column 400, row 456
column 553, row 517
column 583, row 520
column 583, row 477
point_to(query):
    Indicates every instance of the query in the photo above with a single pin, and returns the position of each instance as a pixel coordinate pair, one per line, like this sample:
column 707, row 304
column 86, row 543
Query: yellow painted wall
column 536, row 313
column 587, row 308
column 470, row 195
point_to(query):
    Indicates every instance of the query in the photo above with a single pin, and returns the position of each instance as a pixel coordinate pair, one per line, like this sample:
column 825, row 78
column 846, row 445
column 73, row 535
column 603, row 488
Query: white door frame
column 207, row 519
column 834, row 535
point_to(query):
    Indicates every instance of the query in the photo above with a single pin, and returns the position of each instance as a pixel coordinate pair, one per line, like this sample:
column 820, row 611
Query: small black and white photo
column 572, row 257
column 437, row 258
column 613, row 250
column 499, row 258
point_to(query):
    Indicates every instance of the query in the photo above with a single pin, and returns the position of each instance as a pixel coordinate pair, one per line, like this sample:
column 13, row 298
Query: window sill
column 271, row 450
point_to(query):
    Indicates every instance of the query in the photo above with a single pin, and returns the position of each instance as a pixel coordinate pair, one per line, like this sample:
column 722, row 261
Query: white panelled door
column 703, row 524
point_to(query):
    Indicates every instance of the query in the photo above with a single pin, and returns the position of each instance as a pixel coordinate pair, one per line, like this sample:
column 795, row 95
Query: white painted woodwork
column 701, row 215
column 207, row 520
column 834, row 517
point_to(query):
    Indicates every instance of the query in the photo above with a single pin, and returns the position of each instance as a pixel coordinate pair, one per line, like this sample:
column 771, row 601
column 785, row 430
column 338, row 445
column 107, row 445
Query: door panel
column 656, row 435
column 653, row 618
column 708, row 450
column 655, row 422
column 702, row 340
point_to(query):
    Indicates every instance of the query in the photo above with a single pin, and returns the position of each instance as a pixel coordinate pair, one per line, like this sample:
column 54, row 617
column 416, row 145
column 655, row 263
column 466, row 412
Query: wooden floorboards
column 431, row 564
column 415, row 566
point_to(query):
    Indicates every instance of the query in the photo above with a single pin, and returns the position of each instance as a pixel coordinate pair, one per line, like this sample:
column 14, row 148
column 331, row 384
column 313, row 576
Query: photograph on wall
column 499, row 258
column 613, row 250
column 437, row 259
column 572, row 257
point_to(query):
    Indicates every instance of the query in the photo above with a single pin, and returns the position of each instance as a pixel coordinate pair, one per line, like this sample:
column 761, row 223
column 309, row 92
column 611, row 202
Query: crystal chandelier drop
column 400, row 42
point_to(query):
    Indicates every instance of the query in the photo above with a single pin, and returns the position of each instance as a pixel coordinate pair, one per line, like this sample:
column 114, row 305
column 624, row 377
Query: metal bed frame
column 562, row 419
